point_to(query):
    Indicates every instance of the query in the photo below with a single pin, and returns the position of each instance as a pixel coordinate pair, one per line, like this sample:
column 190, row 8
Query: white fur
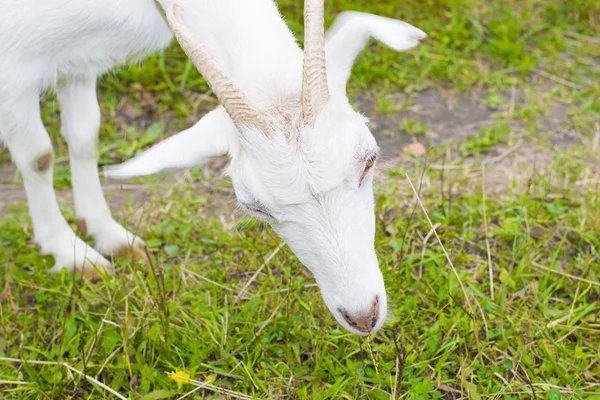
column 66, row 44
column 350, row 33
column 304, row 181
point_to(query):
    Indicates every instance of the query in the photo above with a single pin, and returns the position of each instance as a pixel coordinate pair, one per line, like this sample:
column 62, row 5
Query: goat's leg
column 22, row 131
column 80, row 116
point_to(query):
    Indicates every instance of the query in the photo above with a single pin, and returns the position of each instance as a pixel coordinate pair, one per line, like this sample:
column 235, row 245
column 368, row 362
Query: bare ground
column 451, row 118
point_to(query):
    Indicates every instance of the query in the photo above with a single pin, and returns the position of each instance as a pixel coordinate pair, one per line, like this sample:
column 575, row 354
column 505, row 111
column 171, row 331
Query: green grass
column 532, row 331
column 414, row 127
column 486, row 138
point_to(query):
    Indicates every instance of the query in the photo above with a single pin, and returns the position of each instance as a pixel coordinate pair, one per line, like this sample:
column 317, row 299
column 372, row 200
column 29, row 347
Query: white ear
column 192, row 147
column 351, row 31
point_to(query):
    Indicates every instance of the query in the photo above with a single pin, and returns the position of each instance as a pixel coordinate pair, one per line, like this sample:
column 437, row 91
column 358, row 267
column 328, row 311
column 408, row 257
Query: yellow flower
column 180, row 377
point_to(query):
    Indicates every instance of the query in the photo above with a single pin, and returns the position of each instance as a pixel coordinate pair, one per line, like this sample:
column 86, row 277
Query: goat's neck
column 252, row 44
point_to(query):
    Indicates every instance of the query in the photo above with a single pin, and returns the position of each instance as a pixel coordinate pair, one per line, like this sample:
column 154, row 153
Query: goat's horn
column 315, row 92
column 231, row 97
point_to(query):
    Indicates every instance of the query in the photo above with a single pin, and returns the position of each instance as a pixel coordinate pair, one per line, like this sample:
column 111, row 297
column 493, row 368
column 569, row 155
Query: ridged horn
column 315, row 91
column 229, row 94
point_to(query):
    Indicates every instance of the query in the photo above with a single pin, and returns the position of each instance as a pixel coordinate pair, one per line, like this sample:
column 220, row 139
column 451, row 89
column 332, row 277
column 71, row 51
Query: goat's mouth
column 363, row 322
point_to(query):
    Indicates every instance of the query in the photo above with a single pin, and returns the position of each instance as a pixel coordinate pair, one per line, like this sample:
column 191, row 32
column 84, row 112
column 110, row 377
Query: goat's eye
column 257, row 211
column 368, row 165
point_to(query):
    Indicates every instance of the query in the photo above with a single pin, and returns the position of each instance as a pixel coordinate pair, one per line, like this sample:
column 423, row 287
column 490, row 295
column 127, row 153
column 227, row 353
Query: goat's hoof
column 135, row 251
column 93, row 273
column 74, row 255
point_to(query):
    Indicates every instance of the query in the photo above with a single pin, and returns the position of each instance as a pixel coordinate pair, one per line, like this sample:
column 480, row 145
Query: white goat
column 67, row 44
column 301, row 157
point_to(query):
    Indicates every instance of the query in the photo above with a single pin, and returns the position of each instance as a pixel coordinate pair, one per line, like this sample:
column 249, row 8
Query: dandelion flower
column 181, row 377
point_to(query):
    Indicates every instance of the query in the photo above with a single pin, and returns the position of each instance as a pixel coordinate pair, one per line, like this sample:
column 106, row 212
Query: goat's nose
column 363, row 321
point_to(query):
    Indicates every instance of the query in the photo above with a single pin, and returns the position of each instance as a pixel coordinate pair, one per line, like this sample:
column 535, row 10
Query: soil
column 451, row 118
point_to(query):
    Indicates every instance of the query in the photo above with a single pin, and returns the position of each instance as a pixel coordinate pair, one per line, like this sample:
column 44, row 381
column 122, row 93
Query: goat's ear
column 351, row 31
column 192, row 147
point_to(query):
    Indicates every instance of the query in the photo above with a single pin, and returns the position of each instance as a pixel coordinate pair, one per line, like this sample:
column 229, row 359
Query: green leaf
column 152, row 133
column 153, row 243
column 171, row 249
column 508, row 364
column 553, row 394
column 472, row 389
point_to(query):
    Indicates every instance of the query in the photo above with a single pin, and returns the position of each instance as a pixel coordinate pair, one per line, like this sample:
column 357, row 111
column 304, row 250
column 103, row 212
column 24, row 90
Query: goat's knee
column 33, row 160
column 43, row 163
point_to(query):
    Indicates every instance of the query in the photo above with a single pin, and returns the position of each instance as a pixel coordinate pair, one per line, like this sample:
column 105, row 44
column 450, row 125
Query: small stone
column 415, row 149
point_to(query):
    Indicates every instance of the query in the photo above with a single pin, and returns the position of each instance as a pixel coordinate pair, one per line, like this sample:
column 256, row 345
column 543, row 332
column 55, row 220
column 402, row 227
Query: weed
column 164, row 329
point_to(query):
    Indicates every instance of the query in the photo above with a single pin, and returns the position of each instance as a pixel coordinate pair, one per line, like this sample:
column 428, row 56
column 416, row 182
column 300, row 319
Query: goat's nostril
column 363, row 322
column 373, row 320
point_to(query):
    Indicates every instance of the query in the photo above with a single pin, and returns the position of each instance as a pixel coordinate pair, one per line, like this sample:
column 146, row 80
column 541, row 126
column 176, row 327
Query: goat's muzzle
column 364, row 321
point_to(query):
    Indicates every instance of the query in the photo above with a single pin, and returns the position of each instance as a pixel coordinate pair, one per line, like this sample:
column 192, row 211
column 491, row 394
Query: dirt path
column 449, row 117
column 117, row 195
